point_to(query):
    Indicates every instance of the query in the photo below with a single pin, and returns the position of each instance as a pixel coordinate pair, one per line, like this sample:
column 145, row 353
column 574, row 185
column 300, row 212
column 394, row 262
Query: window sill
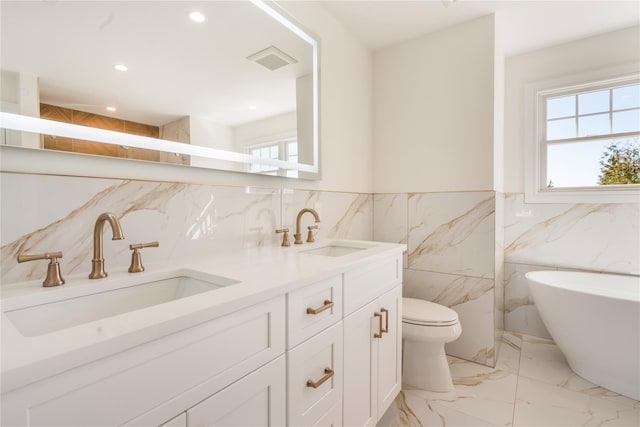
column 605, row 194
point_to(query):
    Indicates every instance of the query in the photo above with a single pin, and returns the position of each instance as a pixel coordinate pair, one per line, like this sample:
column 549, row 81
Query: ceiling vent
column 272, row 58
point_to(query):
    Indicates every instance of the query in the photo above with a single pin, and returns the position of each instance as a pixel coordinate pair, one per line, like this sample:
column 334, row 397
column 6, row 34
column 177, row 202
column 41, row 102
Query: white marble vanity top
column 263, row 273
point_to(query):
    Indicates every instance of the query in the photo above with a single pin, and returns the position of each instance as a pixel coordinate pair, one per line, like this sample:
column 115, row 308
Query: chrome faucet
column 97, row 264
column 298, row 234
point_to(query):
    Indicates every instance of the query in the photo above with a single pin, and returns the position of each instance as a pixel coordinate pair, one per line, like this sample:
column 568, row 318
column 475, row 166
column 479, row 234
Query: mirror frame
column 38, row 125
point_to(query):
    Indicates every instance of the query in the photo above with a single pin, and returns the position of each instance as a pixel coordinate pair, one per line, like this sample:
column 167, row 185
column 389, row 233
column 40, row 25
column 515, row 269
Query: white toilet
column 426, row 328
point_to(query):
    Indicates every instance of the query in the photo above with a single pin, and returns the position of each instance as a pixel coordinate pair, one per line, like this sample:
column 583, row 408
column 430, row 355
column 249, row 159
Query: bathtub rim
column 581, row 282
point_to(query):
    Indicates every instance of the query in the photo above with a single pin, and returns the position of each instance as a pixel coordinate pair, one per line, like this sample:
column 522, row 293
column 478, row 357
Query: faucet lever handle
column 310, row 236
column 54, row 277
column 285, row 236
column 136, row 258
column 144, row 245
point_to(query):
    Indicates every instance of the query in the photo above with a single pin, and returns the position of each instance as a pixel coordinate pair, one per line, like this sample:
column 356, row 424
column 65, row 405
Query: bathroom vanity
column 307, row 335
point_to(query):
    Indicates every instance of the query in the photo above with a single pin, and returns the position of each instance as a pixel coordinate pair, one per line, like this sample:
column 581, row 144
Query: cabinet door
column 259, row 399
column 390, row 349
column 333, row 417
column 360, row 362
column 179, row 421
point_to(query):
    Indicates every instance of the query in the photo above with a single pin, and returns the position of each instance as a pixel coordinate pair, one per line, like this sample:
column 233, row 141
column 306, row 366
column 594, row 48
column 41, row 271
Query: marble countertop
column 263, row 273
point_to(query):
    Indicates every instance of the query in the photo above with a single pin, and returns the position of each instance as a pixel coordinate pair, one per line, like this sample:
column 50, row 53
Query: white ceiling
column 176, row 67
column 526, row 25
column 82, row 77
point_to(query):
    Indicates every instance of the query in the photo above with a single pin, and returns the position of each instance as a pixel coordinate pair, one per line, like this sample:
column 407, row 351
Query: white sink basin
column 53, row 316
column 337, row 249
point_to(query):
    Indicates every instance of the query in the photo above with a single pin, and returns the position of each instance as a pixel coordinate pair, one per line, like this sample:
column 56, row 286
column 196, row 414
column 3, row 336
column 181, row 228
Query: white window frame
column 536, row 190
column 281, row 142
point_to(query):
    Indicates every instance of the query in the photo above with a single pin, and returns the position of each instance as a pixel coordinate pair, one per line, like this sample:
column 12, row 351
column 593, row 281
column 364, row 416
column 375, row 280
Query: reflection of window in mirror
column 282, row 149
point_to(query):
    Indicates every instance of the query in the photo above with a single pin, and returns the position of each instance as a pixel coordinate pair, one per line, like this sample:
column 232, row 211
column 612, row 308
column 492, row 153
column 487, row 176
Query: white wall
column 433, row 111
column 346, row 98
column 304, row 118
column 576, row 57
column 345, row 95
column 264, row 130
column 19, row 94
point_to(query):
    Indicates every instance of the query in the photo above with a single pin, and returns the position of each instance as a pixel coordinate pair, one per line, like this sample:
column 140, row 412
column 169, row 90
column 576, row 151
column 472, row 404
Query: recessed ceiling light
column 111, row 109
column 252, row 107
column 197, row 17
column 121, row 67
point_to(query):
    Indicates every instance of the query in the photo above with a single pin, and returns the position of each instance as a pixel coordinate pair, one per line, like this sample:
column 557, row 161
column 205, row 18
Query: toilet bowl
column 426, row 328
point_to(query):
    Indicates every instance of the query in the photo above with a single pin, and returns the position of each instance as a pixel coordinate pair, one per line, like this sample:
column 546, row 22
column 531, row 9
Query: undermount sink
column 44, row 318
column 335, row 249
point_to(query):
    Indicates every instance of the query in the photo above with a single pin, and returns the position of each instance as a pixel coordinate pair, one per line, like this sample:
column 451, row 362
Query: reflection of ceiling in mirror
column 176, row 67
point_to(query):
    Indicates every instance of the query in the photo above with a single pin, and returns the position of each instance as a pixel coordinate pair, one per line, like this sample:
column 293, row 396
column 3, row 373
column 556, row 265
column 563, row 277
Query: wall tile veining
column 551, row 236
column 452, row 233
column 597, row 237
column 453, row 259
column 48, row 213
column 455, row 240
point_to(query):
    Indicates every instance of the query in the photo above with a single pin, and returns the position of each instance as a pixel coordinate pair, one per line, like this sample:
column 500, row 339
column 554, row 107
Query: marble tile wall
column 50, row 213
column 452, row 258
column 499, row 272
column 541, row 236
column 454, row 240
column 597, row 237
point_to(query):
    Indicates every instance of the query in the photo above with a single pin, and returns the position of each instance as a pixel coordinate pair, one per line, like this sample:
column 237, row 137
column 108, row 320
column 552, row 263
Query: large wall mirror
column 230, row 85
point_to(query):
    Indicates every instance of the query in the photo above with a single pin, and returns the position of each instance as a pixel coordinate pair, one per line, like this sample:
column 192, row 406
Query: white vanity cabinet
column 323, row 353
column 152, row 383
column 372, row 341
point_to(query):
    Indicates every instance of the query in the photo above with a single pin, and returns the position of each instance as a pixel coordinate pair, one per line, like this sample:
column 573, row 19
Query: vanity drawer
column 313, row 309
column 362, row 285
column 317, row 362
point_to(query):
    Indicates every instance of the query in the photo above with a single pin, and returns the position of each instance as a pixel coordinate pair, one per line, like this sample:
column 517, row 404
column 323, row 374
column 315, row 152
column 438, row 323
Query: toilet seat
column 425, row 313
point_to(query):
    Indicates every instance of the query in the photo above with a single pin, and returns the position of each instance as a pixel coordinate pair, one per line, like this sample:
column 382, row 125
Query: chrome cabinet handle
column 386, row 321
column 378, row 334
column 328, row 373
column 327, row 305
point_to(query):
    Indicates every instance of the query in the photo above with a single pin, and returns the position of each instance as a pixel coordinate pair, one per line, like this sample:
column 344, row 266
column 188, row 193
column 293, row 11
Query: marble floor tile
column 414, row 409
column 542, row 404
column 509, row 353
column 543, row 361
column 483, row 392
column 531, row 385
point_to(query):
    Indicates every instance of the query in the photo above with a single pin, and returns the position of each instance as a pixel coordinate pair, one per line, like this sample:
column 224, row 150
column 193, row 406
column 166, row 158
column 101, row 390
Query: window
column 285, row 149
column 584, row 141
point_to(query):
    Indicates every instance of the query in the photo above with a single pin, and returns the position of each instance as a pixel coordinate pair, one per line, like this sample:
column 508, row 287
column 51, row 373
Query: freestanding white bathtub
column 595, row 320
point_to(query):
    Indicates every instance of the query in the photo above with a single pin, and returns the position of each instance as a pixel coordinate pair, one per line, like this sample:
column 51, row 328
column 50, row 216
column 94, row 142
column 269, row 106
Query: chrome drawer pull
column 386, row 321
column 328, row 373
column 327, row 305
column 378, row 334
